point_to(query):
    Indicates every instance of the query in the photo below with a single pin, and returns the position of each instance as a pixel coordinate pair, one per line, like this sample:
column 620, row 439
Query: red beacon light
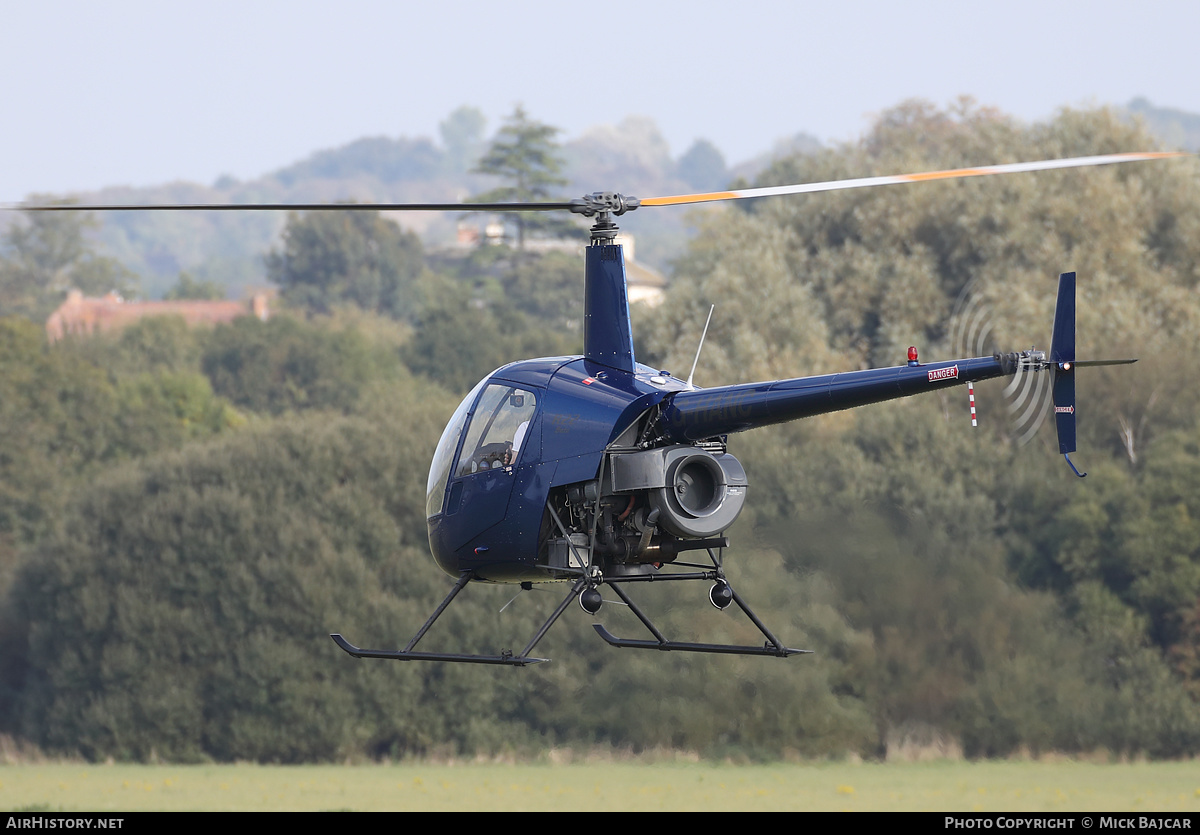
column 912, row 354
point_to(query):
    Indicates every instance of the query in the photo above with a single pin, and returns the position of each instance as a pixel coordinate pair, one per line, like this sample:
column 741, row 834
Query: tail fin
column 1062, row 365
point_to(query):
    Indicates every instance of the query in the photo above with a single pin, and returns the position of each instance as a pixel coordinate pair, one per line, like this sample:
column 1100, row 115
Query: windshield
column 498, row 429
column 443, row 456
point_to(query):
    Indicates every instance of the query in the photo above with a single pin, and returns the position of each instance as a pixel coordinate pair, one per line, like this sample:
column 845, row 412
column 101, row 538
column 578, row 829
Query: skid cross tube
column 772, row 647
column 505, row 658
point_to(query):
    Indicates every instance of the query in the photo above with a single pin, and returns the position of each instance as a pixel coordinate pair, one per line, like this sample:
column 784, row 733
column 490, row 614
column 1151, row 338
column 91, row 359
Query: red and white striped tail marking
column 971, row 395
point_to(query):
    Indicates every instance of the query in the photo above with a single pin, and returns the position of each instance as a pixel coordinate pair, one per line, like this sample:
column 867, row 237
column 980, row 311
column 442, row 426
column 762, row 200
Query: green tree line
column 188, row 513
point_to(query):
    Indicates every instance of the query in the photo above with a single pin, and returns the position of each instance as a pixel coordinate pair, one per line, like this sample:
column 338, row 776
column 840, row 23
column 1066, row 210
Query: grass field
column 939, row 786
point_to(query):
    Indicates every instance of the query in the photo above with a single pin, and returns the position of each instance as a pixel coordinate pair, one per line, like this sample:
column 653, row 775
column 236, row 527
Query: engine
column 647, row 507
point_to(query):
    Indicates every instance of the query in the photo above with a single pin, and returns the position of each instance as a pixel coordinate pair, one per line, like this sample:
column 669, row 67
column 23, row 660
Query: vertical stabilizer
column 1062, row 366
column 1062, row 363
column 1062, row 343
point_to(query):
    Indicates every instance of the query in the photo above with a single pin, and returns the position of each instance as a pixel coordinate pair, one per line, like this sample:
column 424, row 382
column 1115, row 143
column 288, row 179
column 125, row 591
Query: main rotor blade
column 295, row 207
column 867, row 182
column 604, row 202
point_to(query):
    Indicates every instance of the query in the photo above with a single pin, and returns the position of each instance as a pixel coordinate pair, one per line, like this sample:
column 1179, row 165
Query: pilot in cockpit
column 514, row 448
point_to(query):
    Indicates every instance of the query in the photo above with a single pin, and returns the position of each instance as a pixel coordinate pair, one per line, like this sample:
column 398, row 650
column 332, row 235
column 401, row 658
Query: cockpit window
column 443, row 456
column 498, row 429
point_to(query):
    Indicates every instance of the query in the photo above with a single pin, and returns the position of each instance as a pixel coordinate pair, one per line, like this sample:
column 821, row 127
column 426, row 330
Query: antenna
column 700, row 346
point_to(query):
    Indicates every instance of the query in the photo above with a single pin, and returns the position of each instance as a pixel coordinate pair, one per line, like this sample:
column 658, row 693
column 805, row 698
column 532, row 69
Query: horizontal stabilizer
column 1095, row 363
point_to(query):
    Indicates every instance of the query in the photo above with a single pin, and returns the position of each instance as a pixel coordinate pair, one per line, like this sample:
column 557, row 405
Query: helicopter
column 599, row 471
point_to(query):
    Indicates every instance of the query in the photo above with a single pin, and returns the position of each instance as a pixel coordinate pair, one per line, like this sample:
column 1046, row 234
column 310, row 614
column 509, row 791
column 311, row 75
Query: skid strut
column 505, row 658
column 772, row 647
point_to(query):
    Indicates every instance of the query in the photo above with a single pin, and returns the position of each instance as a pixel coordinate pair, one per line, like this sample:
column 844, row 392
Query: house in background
column 643, row 283
column 80, row 315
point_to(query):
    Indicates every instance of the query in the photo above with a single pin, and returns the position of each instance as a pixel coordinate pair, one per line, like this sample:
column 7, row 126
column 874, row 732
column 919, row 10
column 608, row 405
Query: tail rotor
column 1027, row 395
column 971, row 323
column 1040, row 379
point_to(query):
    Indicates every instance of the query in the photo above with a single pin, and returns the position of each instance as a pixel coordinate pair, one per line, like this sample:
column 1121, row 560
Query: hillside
column 632, row 157
column 1175, row 128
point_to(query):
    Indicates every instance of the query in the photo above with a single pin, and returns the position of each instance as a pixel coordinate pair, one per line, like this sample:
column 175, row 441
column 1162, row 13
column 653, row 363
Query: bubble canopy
column 443, row 455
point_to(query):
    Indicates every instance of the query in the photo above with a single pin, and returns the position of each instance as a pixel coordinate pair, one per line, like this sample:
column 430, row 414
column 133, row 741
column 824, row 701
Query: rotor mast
column 607, row 334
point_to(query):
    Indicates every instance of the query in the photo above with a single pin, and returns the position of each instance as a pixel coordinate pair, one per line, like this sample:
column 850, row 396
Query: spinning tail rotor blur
column 1027, row 395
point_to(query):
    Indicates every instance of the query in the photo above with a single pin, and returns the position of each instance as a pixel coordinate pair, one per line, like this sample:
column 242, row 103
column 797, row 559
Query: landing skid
column 678, row 646
column 400, row 655
column 772, row 647
column 505, row 658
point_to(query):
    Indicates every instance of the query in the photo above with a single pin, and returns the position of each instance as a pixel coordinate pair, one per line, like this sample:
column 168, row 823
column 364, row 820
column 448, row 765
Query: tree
column 288, row 365
column 526, row 156
column 78, row 407
column 252, row 547
column 191, row 288
column 703, row 166
column 462, row 137
column 47, row 255
column 461, row 337
column 330, row 259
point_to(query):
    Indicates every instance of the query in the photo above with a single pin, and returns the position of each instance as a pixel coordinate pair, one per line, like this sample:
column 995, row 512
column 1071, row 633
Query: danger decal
column 950, row 373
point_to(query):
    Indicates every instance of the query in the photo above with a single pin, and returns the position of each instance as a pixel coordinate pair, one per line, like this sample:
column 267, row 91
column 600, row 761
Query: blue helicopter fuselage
column 490, row 519
column 541, row 424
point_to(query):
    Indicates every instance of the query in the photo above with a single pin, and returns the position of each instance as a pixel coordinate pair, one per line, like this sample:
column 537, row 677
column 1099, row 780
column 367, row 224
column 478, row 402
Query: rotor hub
column 603, row 205
column 604, row 202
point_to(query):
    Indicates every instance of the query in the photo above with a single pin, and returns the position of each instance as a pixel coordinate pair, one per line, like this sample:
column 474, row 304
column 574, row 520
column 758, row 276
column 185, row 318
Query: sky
column 128, row 92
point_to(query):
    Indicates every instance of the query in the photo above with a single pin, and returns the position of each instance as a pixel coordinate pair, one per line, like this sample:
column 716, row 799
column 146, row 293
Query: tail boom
column 705, row 413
